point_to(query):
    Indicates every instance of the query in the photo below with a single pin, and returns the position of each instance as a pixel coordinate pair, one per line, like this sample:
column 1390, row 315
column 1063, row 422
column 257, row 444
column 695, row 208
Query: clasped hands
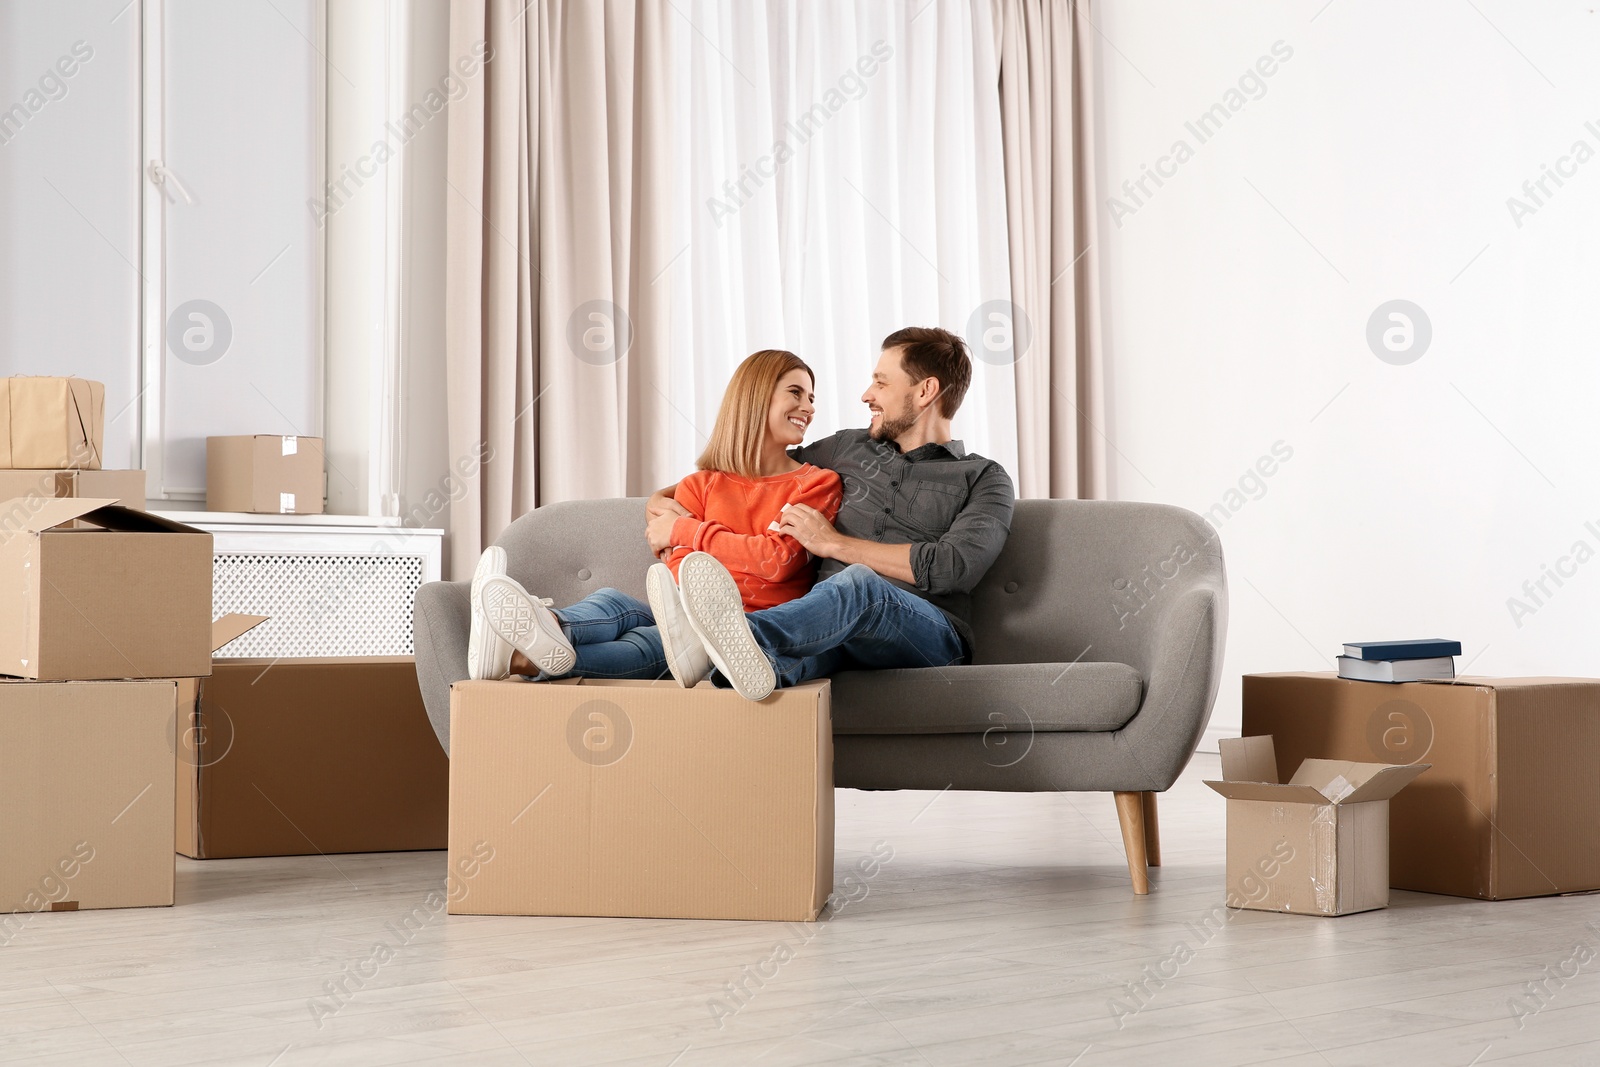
column 800, row 521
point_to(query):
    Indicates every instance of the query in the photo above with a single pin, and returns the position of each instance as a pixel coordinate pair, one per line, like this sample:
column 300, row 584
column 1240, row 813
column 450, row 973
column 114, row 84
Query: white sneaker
column 488, row 655
column 712, row 603
column 528, row 624
column 686, row 653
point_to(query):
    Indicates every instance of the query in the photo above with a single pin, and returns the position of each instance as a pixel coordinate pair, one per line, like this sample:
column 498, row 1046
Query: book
column 1396, row 670
column 1424, row 648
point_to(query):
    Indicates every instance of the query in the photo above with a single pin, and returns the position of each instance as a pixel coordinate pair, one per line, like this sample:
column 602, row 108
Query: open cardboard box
column 124, row 594
column 1318, row 845
column 292, row 757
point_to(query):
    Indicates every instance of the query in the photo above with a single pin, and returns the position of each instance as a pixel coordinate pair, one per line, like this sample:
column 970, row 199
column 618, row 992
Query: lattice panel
column 320, row 605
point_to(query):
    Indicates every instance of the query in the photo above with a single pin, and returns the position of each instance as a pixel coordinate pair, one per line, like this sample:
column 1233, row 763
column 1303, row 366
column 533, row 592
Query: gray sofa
column 1099, row 635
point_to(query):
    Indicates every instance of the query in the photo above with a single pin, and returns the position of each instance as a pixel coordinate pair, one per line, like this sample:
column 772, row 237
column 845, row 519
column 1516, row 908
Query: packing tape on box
column 286, row 503
column 1325, row 857
column 291, row 445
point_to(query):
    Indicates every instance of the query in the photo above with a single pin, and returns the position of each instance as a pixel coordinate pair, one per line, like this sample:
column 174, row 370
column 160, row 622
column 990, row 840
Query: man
column 922, row 521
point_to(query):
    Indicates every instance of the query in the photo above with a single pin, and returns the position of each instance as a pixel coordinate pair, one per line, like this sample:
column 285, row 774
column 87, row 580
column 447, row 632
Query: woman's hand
column 661, row 504
column 658, row 531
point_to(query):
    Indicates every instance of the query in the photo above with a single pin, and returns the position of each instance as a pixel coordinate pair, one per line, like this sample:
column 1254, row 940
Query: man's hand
column 661, row 503
column 658, row 531
column 815, row 533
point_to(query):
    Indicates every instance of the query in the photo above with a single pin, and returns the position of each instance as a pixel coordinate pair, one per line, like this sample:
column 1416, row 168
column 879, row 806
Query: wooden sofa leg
column 1152, row 831
column 1130, row 813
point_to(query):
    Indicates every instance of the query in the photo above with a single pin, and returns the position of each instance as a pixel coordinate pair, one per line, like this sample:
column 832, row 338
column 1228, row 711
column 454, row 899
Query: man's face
column 891, row 398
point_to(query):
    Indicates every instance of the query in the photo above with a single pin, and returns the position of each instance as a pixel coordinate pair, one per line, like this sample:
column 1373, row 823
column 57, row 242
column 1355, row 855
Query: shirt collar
column 955, row 449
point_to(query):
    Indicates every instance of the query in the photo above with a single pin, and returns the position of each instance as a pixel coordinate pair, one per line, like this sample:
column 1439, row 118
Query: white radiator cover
column 319, row 605
column 327, row 586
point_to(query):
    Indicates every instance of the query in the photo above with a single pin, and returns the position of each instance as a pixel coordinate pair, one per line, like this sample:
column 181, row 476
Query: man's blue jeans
column 855, row 619
column 614, row 635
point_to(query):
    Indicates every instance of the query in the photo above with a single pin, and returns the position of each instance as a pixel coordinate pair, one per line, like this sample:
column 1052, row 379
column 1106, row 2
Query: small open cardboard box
column 1318, row 845
column 122, row 594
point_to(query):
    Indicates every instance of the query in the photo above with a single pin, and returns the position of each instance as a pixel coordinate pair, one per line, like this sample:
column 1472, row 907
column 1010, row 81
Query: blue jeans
column 855, row 619
column 614, row 635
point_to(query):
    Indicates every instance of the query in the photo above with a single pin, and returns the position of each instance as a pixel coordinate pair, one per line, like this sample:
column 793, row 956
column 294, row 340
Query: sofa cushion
column 1046, row 697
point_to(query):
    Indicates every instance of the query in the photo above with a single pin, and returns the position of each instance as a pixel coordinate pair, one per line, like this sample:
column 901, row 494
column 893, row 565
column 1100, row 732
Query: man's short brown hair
column 931, row 352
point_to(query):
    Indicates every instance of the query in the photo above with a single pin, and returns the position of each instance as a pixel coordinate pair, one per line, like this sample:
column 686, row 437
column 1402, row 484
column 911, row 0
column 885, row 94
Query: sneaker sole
column 520, row 621
column 716, row 612
column 662, row 593
column 486, row 650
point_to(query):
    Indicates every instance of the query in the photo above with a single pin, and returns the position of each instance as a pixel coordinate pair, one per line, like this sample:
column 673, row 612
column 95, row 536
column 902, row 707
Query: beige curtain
column 1046, row 107
column 556, row 339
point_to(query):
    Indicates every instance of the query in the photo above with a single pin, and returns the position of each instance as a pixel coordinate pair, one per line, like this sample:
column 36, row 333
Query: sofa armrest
column 440, row 624
column 1182, row 670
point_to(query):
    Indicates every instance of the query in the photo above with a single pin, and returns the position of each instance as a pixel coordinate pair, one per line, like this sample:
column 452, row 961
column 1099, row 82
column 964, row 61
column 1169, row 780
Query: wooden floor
column 1002, row 931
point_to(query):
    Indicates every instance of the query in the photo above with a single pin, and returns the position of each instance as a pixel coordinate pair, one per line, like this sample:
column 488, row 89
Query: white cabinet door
column 241, row 149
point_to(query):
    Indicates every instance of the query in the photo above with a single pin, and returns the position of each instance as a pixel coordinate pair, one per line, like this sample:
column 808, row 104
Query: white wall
column 69, row 201
column 1375, row 165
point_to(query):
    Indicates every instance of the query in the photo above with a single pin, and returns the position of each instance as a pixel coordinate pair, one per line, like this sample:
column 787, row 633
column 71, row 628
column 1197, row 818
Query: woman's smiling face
column 791, row 410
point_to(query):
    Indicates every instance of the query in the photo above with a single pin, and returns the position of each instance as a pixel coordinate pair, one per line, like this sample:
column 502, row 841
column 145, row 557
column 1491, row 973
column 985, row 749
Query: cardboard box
column 129, row 596
column 1512, row 805
column 296, row 757
column 123, row 487
column 86, row 785
column 1318, row 845
column 265, row 474
column 584, row 797
column 49, row 423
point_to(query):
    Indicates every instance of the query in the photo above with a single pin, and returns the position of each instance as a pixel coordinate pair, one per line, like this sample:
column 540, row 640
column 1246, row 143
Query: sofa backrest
column 1077, row 580
column 1083, row 580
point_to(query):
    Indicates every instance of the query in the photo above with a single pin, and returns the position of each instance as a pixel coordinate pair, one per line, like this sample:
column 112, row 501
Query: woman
column 744, row 481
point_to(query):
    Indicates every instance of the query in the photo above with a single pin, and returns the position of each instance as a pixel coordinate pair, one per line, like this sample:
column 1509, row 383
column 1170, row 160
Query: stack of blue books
column 1399, row 661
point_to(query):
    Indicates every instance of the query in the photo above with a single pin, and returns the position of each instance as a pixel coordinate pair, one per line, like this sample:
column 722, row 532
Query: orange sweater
column 732, row 515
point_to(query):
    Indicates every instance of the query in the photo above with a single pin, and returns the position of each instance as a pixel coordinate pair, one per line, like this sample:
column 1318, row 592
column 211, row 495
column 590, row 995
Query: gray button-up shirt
column 953, row 507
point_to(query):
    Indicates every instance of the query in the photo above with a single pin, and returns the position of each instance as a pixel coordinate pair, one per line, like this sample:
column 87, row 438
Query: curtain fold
column 556, row 342
column 1046, row 113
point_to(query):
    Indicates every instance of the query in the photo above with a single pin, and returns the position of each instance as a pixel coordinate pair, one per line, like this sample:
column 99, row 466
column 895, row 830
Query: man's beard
column 888, row 428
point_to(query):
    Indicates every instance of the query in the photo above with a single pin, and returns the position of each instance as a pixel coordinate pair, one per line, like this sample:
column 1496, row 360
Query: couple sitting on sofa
column 904, row 520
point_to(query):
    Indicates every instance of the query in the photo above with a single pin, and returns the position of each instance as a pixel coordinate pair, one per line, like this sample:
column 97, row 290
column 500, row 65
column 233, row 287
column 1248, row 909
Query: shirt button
column 894, row 485
column 887, row 511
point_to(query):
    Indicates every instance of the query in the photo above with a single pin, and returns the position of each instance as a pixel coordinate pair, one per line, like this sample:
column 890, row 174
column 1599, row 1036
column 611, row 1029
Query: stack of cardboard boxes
column 121, row 740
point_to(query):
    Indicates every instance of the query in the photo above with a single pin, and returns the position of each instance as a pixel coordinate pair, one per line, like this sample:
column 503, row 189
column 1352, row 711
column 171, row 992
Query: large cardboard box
column 127, row 596
column 294, row 757
column 123, row 487
column 584, row 797
column 265, row 473
column 1512, row 805
column 1318, row 845
column 86, row 786
column 48, row 423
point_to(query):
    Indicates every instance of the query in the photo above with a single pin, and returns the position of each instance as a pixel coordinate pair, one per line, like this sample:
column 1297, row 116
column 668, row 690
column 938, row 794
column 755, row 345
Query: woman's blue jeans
column 614, row 635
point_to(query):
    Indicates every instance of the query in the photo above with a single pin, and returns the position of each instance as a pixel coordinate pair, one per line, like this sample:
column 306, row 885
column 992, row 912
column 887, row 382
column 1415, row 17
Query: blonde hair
column 735, row 445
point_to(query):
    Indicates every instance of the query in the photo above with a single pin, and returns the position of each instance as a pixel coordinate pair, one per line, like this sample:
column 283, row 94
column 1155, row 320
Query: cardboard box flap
column 1268, row 791
column 1386, row 783
column 233, row 626
column 1352, row 782
column 113, row 516
column 40, row 515
column 1249, row 759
